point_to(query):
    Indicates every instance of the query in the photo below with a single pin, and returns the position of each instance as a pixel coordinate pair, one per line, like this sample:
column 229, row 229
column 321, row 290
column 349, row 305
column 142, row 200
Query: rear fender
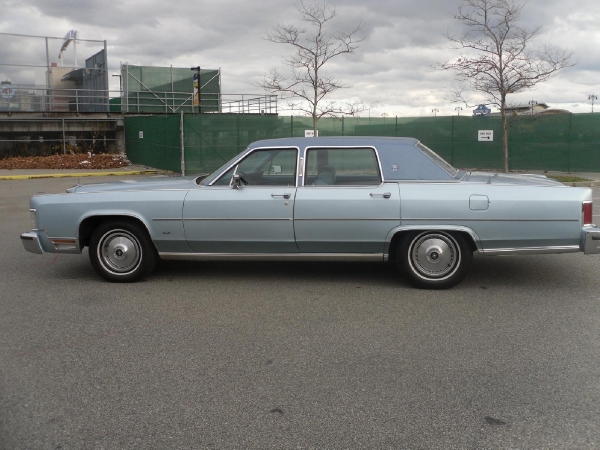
column 395, row 233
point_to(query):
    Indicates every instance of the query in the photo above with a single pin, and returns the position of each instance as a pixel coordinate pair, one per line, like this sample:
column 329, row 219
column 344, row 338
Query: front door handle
column 384, row 195
column 281, row 195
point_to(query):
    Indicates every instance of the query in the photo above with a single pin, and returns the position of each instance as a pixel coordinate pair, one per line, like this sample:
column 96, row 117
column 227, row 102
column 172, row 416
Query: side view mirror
column 236, row 182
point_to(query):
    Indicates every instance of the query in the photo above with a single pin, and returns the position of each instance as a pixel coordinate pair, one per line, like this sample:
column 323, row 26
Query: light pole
column 197, row 69
column 592, row 98
column 372, row 104
column 435, row 111
column 458, row 109
column 532, row 103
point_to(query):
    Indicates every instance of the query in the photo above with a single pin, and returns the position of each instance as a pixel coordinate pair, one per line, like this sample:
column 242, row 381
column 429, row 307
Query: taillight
column 587, row 213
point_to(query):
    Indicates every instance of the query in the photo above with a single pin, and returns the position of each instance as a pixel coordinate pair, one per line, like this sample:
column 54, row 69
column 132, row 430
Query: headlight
column 33, row 219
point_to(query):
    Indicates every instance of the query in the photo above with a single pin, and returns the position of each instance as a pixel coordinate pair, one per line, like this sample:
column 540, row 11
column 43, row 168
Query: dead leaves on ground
column 68, row 161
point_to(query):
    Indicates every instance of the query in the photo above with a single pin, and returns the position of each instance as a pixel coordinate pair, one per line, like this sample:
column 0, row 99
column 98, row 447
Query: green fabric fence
column 561, row 142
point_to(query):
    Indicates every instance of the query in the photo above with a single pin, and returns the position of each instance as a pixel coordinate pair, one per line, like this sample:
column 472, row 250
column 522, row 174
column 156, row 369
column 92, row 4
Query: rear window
column 438, row 160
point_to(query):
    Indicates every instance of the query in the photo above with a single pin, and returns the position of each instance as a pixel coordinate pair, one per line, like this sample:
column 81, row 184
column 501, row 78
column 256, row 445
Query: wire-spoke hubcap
column 434, row 255
column 119, row 251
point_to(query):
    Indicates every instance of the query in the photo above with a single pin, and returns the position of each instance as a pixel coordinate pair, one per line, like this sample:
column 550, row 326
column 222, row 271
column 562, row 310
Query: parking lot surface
column 293, row 355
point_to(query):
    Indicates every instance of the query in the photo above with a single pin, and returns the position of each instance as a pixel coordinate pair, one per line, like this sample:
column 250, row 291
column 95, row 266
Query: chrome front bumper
column 591, row 241
column 31, row 242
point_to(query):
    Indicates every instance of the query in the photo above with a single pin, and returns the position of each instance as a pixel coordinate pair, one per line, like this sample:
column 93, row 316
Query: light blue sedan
column 333, row 199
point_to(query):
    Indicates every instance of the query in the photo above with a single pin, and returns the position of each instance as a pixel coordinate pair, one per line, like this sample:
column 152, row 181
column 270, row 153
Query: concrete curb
column 80, row 174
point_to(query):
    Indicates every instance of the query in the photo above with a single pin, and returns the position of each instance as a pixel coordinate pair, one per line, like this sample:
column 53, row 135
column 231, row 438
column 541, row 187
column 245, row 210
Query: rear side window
column 342, row 167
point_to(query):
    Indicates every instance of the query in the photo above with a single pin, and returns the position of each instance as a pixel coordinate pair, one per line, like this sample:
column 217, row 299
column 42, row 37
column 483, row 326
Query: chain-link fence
column 564, row 142
column 42, row 137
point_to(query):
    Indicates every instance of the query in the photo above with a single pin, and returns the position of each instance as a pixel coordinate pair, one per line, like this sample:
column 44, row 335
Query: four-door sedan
column 334, row 199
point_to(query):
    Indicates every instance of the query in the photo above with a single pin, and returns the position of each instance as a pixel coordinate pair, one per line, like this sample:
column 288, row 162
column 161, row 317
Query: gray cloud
column 395, row 65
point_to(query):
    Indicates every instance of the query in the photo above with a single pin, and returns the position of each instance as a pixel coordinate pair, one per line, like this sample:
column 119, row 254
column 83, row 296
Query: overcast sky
column 393, row 71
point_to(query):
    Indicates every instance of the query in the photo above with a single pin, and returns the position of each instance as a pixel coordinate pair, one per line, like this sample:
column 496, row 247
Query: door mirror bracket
column 236, row 182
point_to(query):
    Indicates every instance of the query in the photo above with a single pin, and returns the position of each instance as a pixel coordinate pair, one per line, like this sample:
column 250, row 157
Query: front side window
column 272, row 167
column 342, row 167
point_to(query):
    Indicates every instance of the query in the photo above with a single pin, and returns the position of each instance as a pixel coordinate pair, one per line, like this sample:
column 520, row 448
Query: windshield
column 205, row 180
column 438, row 160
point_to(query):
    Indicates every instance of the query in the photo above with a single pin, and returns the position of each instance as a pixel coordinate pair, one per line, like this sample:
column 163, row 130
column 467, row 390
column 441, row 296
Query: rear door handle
column 384, row 195
column 281, row 195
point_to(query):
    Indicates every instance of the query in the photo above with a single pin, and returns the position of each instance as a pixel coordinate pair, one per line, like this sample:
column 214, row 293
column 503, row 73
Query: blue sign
column 482, row 110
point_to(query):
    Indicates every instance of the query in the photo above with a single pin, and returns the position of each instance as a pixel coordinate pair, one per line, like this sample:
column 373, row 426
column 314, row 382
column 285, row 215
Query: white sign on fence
column 141, row 134
column 311, row 133
column 485, row 135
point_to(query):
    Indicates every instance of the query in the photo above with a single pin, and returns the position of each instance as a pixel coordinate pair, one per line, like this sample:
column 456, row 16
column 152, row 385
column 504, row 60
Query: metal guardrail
column 35, row 99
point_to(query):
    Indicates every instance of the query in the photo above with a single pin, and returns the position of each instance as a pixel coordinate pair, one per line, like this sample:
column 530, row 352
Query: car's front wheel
column 434, row 259
column 122, row 251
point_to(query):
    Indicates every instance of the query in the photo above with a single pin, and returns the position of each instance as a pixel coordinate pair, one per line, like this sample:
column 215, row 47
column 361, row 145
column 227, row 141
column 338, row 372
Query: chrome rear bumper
column 591, row 241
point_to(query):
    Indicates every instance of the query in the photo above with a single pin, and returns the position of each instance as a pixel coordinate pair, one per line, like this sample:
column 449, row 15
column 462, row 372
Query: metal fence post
column 64, row 138
column 182, row 146
column 570, row 133
column 451, row 141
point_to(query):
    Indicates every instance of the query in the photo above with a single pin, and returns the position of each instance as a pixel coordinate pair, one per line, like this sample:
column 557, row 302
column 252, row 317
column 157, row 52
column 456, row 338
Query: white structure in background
column 71, row 36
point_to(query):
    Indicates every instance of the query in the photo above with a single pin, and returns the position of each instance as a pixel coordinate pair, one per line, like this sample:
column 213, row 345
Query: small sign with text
column 485, row 135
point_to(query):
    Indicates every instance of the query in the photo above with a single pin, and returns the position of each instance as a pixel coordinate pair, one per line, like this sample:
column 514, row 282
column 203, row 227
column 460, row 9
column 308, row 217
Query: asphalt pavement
column 293, row 355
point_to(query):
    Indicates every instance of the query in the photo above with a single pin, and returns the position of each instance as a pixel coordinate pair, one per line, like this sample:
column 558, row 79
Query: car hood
column 143, row 184
column 510, row 179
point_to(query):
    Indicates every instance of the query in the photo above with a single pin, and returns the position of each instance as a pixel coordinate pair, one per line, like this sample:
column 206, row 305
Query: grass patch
column 568, row 178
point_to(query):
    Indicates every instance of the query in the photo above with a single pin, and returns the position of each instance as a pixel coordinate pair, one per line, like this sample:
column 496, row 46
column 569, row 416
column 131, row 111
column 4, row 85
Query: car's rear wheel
column 122, row 251
column 434, row 259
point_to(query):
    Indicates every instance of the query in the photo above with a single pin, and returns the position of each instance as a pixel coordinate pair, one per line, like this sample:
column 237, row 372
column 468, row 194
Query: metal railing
column 35, row 99
column 248, row 104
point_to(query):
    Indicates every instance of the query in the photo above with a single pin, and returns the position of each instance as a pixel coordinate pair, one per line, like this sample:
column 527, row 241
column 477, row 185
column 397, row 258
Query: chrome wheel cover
column 119, row 252
column 434, row 256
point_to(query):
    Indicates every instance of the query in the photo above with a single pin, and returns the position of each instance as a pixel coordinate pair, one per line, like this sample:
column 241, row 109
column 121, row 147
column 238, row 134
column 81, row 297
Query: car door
column 343, row 206
column 254, row 217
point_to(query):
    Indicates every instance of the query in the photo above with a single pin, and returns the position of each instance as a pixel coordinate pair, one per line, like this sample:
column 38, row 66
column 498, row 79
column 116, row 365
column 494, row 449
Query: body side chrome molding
column 491, row 220
column 376, row 257
column 348, row 218
column 531, row 250
column 289, row 219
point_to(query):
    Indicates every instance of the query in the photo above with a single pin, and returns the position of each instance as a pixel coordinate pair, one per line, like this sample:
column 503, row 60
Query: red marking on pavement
column 55, row 258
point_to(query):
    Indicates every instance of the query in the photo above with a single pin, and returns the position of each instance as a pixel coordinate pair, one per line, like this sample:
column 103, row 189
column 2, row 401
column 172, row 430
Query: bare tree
column 308, row 84
column 498, row 60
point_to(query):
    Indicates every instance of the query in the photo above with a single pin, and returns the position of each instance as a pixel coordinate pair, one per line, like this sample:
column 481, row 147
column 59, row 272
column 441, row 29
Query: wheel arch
column 89, row 223
column 396, row 236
